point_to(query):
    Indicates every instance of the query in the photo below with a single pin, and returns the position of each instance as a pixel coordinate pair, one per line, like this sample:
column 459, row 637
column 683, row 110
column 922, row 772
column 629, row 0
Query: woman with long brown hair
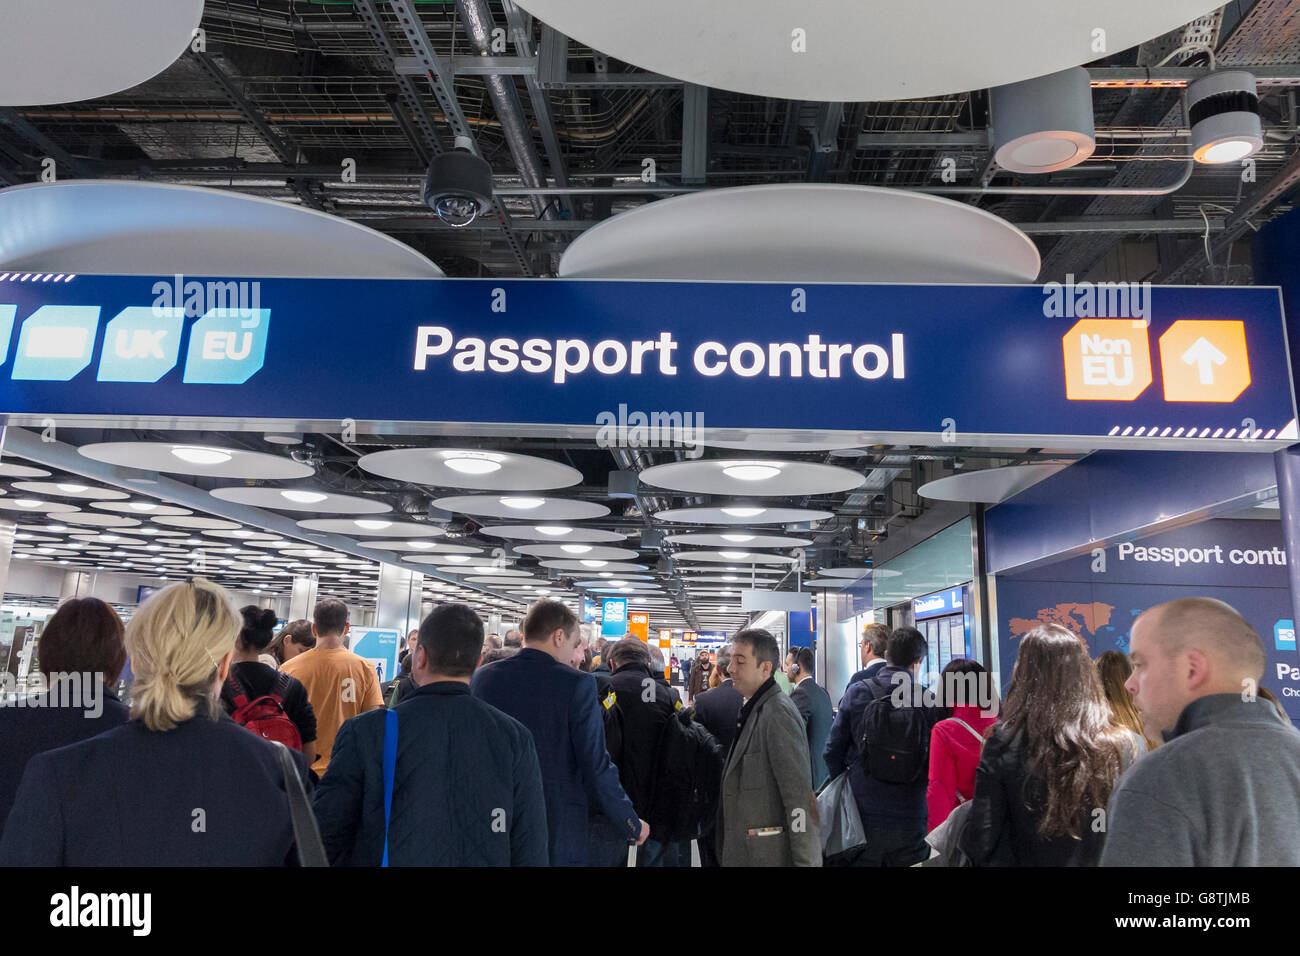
column 1048, row 768
column 1114, row 668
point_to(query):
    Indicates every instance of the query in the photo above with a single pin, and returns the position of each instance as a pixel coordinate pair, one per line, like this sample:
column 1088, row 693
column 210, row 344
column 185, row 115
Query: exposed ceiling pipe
column 505, row 98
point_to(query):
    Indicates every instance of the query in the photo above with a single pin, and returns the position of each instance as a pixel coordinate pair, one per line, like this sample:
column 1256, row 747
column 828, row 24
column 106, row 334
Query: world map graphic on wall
column 1083, row 619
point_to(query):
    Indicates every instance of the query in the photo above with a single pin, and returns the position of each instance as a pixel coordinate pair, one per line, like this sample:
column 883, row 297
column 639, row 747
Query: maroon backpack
column 265, row 716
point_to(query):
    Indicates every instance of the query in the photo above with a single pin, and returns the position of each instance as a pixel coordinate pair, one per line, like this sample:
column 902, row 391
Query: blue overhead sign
column 935, row 605
column 613, row 617
column 967, row 364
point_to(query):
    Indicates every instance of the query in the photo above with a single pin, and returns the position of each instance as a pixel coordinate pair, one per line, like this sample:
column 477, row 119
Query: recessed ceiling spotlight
column 201, row 456
column 522, row 504
column 734, row 555
column 56, row 527
column 1223, row 109
column 72, row 488
column 587, row 563
column 575, row 548
column 371, row 524
column 142, row 505
column 473, row 463
column 552, row 529
column 606, row 574
column 758, row 471
column 302, row 497
column 420, row 545
column 738, row 538
column 457, row 558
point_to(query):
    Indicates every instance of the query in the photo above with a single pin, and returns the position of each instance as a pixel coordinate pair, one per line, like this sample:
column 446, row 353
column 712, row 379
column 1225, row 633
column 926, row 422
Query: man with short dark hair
column 339, row 684
column 888, row 712
column 514, row 638
column 1224, row 788
column 814, row 706
column 875, row 638
column 766, row 815
column 558, row 704
column 467, row 788
column 717, row 710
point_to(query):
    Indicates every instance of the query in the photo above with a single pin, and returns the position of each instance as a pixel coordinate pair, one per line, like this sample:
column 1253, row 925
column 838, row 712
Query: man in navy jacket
column 558, row 704
column 467, row 788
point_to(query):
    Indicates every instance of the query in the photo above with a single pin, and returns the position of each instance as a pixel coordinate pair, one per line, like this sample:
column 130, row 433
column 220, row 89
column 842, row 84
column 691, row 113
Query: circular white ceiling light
column 121, row 227
column 64, row 51
column 67, row 489
column 989, row 485
column 144, row 509
column 828, row 233
column 1045, row 123
column 188, row 459
column 37, row 504
column 470, row 468
column 731, row 540
column 529, row 508
column 300, row 499
column 849, row 51
column 731, row 476
column 572, row 536
column 1224, row 112
column 10, row 470
column 563, row 551
column 420, row 547
column 395, row 529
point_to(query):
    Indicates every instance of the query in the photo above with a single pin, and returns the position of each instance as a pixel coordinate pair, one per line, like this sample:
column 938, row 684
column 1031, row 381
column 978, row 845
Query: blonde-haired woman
column 180, row 784
column 1114, row 668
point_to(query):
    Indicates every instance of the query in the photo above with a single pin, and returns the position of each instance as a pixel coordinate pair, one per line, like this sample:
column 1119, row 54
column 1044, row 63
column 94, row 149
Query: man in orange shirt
column 339, row 684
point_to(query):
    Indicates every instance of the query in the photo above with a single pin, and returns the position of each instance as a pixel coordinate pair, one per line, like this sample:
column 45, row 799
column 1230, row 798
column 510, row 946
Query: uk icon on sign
column 1106, row 360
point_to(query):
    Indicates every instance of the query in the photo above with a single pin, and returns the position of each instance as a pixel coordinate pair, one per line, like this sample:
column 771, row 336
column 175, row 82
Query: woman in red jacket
column 966, row 689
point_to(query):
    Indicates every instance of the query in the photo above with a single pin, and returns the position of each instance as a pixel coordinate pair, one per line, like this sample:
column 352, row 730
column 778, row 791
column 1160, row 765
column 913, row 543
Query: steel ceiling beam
column 406, row 89
column 62, row 159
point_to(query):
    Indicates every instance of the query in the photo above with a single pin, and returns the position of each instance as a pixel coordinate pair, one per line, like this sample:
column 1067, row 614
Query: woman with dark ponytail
column 251, row 679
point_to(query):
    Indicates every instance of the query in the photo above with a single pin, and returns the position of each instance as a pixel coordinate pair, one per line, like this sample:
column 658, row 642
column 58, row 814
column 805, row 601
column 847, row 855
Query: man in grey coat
column 1224, row 788
column 766, row 814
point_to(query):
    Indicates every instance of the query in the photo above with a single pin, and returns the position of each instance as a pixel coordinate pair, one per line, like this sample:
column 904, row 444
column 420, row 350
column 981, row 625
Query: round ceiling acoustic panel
column 419, row 547
column 470, row 468
column 300, row 499
column 751, row 476
column 742, row 513
column 523, row 507
column 36, row 505
column 730, row 557
column 593, row 567
column 101, row 521
column 178, row 458
column 67, row 489
column 826, row 233
column 571, row 551
column 766, row 441
column 141, row 509
column 990, row 486
column 743, row 539
column 558, row 533
column 64, row 51
column 850, row 51
column 196, row 521
column 121, row 227
column 372, row 526
column 10, row 470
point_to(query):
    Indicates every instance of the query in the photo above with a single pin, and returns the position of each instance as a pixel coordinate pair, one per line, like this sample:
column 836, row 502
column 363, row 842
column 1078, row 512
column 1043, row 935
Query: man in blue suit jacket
column 467, row 789
column 558, row 705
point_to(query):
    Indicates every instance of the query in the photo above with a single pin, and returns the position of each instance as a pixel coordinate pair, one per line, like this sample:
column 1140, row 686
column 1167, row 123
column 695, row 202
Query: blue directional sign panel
column 1154, row 367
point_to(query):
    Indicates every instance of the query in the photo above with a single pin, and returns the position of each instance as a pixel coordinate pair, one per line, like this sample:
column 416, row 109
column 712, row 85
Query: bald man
column 1224, row 789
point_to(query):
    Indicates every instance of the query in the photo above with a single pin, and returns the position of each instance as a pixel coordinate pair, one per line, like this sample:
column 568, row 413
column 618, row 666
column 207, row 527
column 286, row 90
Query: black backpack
column 688, row 780
column 894, row 742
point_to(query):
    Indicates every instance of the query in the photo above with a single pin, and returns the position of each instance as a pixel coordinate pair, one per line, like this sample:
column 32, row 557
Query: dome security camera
column 459, row 185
